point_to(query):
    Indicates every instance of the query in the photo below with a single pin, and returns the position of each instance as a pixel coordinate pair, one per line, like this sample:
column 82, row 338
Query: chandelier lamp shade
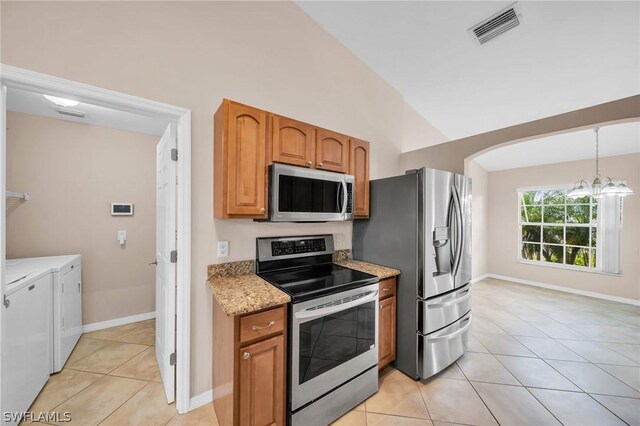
column 599, row 187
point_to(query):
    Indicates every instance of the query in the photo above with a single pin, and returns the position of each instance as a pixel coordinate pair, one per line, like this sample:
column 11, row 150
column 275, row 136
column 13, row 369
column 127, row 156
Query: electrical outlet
column 223, row 248
column 339, row 240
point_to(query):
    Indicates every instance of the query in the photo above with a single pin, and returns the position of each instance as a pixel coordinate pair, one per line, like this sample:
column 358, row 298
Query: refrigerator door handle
column 452, row 236
column 459, row 232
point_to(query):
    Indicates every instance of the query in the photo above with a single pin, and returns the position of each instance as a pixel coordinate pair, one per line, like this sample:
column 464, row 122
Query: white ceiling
column 564, row 56
column 617, row 139
column 34, row 103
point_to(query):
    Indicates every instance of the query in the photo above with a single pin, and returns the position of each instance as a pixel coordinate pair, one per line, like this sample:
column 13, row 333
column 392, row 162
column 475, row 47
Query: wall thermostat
column 121, row 209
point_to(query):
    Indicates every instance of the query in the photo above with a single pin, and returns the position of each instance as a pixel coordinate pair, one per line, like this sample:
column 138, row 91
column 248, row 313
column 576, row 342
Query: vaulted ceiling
column 562, row 57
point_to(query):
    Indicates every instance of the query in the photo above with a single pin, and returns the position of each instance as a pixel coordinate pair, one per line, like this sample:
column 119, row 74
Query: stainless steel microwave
column 297, row 194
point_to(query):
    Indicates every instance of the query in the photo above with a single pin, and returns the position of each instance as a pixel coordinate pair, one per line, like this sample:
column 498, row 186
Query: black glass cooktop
column 310, row 282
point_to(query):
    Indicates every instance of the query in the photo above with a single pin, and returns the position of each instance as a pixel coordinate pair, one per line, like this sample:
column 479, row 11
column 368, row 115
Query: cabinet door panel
column 332, row 151
column 387, row 332
column 247, row 161
column 292, row 142
column 262, row 383
column 359, row 168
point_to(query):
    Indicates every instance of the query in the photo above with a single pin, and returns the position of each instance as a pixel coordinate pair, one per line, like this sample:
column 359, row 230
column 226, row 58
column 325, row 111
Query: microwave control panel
column 287, row 247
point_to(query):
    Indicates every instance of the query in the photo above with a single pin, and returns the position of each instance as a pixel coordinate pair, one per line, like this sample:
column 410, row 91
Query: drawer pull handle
column 319, row 164
column 386, row 289
column 309, row 162
column 32, row 286
column 256, row 327
column 246, row 355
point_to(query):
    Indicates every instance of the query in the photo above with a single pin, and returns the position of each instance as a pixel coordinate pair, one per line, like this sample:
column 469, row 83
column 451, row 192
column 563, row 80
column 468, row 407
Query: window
column 555, row 229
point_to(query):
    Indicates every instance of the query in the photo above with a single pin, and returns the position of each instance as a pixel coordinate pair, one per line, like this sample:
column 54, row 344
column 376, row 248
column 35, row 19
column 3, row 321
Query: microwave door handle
column 338, row 199
column 345, row 196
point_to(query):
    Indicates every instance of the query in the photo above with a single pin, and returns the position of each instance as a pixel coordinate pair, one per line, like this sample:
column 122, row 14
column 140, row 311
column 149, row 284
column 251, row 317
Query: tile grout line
column 103, row 375
column 522, row 385
column 476, row 391
column 127, row 400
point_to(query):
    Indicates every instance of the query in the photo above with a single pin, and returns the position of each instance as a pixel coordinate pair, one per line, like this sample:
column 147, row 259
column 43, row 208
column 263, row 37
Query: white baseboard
column 200, row 400
column 118, row 321
column 566, row 289
column 480, row 278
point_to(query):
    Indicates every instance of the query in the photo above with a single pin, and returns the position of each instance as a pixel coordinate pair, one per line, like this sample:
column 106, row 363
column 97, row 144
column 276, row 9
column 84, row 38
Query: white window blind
column 610, row 232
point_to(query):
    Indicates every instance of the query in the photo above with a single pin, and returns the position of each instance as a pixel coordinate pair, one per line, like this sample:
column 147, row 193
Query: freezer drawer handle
column 32, row 286
column 466, row 293
column 455, row 333
column 6, row 302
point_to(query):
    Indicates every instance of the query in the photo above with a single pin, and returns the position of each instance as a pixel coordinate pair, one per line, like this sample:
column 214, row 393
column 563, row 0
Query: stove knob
column 289, row 250
column 276, row 252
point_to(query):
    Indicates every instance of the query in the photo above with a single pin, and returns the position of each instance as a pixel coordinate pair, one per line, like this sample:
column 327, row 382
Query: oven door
column 303, row 195
column 334, row 338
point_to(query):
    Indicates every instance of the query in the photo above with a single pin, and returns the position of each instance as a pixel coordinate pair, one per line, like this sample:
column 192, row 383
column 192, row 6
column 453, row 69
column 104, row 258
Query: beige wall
column 192, row 54
column 503, row 226
column 480, row 218
column 73, row 173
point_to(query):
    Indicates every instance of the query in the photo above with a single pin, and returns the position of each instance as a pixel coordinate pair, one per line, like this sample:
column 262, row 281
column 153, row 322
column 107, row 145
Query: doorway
column 173, row 214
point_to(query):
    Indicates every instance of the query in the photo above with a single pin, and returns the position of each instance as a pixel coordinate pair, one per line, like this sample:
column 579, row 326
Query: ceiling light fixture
column 596, row 189
column 64, row 102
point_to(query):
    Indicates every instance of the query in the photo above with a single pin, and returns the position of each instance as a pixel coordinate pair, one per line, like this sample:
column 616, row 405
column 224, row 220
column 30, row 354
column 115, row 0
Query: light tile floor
column 536, row 357
column 112, row 378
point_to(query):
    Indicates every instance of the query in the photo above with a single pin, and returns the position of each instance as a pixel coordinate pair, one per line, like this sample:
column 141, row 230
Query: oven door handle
column 315, row 313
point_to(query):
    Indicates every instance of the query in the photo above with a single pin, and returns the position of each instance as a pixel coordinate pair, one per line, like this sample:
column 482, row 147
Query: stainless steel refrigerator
column 420, row 223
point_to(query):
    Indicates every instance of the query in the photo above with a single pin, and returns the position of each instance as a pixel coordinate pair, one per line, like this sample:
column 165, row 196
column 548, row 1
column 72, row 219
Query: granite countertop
column 343, row 258
column 239, row 291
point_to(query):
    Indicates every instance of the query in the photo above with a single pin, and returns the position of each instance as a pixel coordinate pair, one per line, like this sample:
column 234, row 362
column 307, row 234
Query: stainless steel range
column 333, row 327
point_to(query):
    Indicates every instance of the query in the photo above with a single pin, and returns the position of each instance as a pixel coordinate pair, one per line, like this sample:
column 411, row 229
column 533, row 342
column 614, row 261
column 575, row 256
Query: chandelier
column 599, row 187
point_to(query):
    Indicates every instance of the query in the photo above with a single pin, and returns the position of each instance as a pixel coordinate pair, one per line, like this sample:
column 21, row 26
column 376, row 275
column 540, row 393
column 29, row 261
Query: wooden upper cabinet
column 262, row 383
column 359, row 168
column 247, row 140
column 240, row 161
column 332, row 151
column 292, row 141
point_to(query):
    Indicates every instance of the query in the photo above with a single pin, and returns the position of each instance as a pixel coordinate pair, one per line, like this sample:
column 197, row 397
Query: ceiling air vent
column 70, row 112
column 497, row 24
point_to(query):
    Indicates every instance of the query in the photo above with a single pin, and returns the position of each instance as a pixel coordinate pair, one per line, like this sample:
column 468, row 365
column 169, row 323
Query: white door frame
column 41, row 83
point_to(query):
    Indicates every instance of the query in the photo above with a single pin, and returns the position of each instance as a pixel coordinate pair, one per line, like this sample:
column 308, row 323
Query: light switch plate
column 223, row 248
column 339, row 240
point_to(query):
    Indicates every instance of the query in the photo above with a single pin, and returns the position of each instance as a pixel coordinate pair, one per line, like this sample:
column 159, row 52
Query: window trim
column 544, row 263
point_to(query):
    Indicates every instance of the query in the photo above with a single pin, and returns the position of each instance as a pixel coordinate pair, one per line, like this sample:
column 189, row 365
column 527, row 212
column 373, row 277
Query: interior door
column 166, row 267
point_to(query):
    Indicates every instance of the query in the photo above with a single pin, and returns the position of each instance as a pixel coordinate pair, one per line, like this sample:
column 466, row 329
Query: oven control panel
column 288, row 247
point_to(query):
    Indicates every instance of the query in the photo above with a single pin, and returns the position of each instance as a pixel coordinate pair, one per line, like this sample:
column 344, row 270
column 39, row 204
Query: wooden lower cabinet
column 387, row 323
column 249, row 367
column 262, row 383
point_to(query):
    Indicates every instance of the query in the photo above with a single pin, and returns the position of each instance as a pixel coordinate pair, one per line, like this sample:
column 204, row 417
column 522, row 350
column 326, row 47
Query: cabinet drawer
column 262, row 324
column 387, row 288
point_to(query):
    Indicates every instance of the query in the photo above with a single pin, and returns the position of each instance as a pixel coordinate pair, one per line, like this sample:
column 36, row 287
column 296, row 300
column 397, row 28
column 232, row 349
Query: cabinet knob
column 319, row 164
column 380, row 306
column 309, row 162
column 246, row 355
column 262, row 210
